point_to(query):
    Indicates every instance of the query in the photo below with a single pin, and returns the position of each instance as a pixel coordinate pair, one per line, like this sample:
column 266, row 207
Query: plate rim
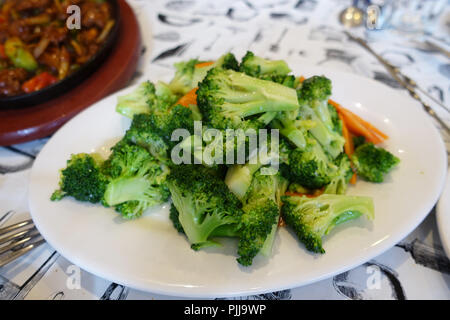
column 198, row 292
column 443, row 217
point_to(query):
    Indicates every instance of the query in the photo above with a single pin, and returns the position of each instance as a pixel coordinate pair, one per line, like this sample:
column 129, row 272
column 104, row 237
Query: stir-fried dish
column 37, row 48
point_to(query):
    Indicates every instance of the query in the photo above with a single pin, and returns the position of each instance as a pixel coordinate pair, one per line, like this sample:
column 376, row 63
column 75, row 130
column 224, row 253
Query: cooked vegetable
column 342, row 177
column 321, row 148
column 273, row 70
column 259, row 222
column 83, row 179
column 20, row 57
column 189, row 73
column 39, row 82
column 310, row 167
column 228, row 98
column 146, row 98
column 204, row 203
column 313, row 218
column 137, row 180
column 373, row 163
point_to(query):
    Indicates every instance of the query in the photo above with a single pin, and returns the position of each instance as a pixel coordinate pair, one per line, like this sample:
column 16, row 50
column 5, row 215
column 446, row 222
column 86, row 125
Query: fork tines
column 18, row 239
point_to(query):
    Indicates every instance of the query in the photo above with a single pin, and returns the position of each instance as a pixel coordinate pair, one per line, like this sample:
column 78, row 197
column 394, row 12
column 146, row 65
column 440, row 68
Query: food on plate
column 38, row 49
column 321, row 149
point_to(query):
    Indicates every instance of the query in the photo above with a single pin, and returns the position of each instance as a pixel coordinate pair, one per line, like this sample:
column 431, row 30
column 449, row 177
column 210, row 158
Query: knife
column 408, row 84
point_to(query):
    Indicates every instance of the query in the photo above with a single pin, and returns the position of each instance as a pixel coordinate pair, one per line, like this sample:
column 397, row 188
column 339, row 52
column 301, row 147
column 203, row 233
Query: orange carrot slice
column 204, row 64
column 189, row 98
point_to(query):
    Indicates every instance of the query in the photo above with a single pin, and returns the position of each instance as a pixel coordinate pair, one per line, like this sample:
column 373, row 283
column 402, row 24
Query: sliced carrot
column 358, row 128
column 349, row 147
column 301, row 78
column 2, row 52
column 204, row 64
column 335, row 104
column 353, row 178
column 369, row 126
column 189, row 98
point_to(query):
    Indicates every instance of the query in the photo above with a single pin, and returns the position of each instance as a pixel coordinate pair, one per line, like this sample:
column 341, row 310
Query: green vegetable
column 137, row 180
column 339, row 183
column 146, row 98
column 313, row 99
column 273, row 70
column 153, row 131
column 187, row 75
column 204, row 203
column 373, row 163
column 19, row 55
column 260, row 219
column 228, row 98
column 82, row 179
column 313, row 218
column 310, row 167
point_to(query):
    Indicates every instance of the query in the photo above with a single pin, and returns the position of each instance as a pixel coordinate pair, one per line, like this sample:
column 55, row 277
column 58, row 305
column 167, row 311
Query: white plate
column 148, row 253
column 443, row 217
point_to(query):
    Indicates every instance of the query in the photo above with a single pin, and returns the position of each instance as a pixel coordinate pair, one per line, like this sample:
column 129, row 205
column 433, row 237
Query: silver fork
column 18, row 239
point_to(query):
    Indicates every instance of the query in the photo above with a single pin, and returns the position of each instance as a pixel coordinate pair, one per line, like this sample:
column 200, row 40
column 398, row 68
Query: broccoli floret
column 227, row 61
column 142, row 133
column 292, row 127
column 137, row 180
column 239, row 176
column 83, row 179
column 338, row 184
column 310, row 167
column 327, row 129
column 186, row 76
column 188, row 73
column 260, row 219
column 204, row 203
column 272, row 70
column 227, row 230
column 315, row 90
column 313, row 218
column 358, row 140
column 153, row 131
column 335, row 120
column 373, row 163
column 174, row 217
column 227, row 99
column 146, row 98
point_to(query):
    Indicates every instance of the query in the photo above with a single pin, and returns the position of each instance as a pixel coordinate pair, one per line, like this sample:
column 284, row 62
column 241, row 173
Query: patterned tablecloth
column 305, row 31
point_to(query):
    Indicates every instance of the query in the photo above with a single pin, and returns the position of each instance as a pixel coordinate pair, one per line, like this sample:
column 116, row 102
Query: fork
column 18, row 239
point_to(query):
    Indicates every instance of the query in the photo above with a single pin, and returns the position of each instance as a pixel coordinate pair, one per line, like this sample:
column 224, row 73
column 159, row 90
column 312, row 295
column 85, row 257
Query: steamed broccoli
column 313, row 218
column 313, row 99
column 373, row 163
column 146, row 98
column 83, row 179
column 227, row 99
column 310, row 167
column 189, row 73
column 137, row 180
column 203, row 202
column 338, row 184
column 272, row 70
column 260, row 219
column 153, row 131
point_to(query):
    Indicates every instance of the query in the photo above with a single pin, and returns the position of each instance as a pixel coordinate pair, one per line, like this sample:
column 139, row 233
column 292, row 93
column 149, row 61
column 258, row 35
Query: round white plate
column 148, row 253
column 443, row 217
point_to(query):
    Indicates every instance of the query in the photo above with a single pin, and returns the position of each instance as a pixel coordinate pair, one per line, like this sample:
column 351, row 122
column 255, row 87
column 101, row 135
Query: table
column 296, row 30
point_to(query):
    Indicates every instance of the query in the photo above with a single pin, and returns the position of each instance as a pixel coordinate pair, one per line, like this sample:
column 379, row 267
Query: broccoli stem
column 254, row 96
